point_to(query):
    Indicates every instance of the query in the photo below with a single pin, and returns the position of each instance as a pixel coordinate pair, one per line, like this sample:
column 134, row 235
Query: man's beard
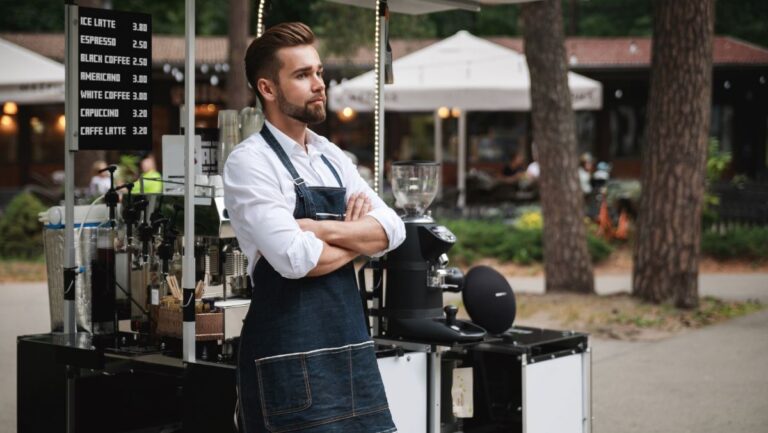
column 308, row 114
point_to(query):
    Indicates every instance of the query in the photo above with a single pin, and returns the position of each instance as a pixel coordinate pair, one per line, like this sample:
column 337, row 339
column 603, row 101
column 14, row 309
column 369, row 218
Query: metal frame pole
column 462, row 160
column 434, row 391
column 438, row 131
column 71, row 68
column 70, row 147
column 188, row 268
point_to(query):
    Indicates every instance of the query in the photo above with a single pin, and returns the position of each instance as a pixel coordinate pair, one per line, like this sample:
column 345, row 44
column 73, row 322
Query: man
column 153, row 180
column 302, row 213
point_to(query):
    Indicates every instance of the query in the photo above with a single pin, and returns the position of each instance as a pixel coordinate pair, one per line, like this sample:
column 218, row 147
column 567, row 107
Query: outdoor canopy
column 464, row 72
column 29, row 78
column 461, row 71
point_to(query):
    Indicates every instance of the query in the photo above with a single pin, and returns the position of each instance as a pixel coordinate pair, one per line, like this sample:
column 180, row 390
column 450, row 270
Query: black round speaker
column 489, row 299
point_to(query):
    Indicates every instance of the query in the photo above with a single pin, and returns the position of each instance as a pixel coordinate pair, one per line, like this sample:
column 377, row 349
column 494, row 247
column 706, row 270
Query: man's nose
column 318, row 84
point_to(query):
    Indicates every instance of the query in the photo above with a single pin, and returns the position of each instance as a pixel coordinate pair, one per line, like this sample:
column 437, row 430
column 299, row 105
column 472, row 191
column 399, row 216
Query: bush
column 516, row 243
column 21, row 234
column 749, row 243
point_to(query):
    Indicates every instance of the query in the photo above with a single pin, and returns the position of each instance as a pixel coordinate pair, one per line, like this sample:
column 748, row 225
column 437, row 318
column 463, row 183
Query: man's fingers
column 357, row 207
column 350, row 207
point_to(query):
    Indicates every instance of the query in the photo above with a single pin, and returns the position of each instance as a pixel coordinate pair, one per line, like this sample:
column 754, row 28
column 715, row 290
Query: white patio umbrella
column 29, row 78
column 461, row 71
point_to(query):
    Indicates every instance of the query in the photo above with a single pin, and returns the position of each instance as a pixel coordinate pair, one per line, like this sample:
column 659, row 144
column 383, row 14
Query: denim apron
column 306, row 362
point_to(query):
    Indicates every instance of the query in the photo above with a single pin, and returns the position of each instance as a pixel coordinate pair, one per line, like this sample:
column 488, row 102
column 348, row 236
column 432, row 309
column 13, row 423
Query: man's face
column 300, row 91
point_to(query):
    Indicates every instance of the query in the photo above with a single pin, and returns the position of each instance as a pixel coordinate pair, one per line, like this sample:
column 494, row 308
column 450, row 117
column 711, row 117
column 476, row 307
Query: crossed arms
column 344, row 240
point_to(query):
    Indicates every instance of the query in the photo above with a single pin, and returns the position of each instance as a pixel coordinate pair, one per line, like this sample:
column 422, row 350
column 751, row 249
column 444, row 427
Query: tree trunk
column 567, row 263
column 666, row 255
column 237, row 93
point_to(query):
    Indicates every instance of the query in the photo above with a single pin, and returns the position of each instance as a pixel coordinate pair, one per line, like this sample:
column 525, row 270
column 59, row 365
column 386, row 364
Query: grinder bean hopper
column 417, row 272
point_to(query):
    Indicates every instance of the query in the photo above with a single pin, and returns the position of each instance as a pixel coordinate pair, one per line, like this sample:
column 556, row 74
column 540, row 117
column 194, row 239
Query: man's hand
column 358, row 232
column 357, row 207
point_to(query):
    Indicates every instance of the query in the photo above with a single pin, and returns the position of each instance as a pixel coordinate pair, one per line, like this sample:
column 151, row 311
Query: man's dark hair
column 261, row 58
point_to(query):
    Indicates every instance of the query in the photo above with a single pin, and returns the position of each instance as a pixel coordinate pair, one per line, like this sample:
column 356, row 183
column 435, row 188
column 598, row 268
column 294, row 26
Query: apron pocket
column 308, row 389
column 283, row 385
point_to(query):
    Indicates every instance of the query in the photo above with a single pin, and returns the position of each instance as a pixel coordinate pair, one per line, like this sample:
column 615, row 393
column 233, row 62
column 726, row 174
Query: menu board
column 115, row 72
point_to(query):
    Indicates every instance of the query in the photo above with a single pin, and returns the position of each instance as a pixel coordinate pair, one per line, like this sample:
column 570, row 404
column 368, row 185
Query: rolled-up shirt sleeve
column 261, row 218
column 391, row 223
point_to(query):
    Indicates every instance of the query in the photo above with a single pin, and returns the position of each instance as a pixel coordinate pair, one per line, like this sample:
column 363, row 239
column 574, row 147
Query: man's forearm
column 365, row 236
column 332, row 258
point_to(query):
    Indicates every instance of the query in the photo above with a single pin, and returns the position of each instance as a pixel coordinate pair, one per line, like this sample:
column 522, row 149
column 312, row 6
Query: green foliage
column 127, row 168
column 749, row 243
column 21, row 233
column 613, row 17
column 717, row 162
column 343, row 40
column 744, row 19
column 495, row 239
column 359, row 27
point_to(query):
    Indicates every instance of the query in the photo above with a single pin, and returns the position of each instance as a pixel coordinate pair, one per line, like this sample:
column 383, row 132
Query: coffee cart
column 101, row 369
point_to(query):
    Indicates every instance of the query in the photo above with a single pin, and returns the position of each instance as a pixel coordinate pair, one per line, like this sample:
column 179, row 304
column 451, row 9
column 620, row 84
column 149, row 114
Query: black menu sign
column 115, row 103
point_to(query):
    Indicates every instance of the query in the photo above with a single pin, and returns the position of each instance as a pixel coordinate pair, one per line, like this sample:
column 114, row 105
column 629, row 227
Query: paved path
column 714, row 379
column 23, row 310
column 709, row 380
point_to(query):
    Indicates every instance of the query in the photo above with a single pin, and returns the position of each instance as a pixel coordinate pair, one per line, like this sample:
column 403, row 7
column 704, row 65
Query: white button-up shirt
column 260, row 198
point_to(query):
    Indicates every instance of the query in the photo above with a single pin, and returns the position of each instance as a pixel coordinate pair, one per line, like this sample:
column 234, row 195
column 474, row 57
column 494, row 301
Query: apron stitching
column 307, row 393
column 241, row 412
column 351, row 383
column 316, row 352
column 322, row 422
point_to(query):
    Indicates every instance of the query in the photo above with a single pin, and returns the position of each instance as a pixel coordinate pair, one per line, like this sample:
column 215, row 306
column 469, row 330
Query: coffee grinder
column 416, row 273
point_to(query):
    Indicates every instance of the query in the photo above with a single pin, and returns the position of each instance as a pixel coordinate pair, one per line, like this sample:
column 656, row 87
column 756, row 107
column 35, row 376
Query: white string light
column 260, row 19
column 377, row 101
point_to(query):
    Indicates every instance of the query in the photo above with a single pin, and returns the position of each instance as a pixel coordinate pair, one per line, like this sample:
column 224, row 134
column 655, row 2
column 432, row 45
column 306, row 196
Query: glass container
column 415, row 185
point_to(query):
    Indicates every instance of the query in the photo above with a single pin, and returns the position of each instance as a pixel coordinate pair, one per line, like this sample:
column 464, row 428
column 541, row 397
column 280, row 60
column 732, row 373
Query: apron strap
column 333, row 170
column 302, row 191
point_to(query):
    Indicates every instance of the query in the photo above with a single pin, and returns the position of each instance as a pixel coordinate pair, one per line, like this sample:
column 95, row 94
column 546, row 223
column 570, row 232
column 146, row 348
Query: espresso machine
column 416, row 273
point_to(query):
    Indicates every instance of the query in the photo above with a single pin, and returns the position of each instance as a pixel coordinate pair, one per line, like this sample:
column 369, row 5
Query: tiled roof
column 583, row 52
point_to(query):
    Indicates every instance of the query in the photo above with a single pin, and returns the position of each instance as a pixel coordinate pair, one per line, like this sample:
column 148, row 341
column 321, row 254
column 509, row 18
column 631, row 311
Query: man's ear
column 267, row 89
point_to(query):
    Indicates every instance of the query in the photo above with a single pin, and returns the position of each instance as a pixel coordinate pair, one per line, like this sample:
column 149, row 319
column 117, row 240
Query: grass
column 744, row 243
column 17, row 271
column 508, row 243
column 623, row 317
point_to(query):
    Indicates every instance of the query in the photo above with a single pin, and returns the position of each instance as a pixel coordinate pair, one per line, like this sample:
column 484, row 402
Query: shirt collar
column 289, row 145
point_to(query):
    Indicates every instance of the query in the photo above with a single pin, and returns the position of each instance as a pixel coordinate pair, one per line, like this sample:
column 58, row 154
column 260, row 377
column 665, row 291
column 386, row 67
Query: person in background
column 586, row 167
column 514, row 169
column 100, row 182
column 153, row 180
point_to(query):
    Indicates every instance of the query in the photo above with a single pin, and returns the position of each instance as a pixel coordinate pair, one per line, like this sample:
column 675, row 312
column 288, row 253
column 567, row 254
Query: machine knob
column 450, row 314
